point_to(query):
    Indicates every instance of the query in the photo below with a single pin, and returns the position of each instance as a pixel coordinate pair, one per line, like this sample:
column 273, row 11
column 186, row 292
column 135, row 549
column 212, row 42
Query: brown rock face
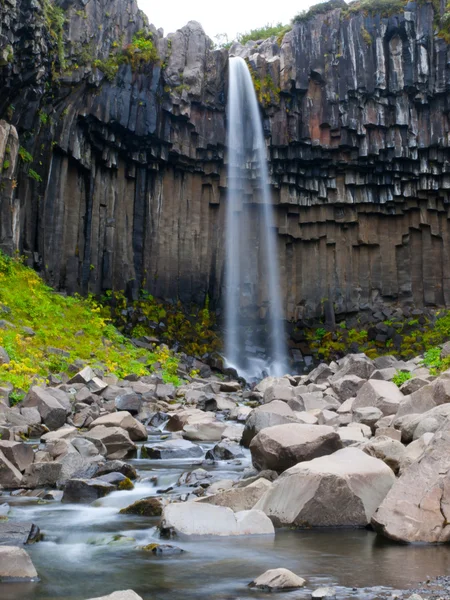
column 131, row 174
column 417, row 508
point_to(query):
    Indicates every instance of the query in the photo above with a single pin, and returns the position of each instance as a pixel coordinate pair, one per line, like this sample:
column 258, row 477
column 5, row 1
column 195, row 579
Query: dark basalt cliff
column 126, row 174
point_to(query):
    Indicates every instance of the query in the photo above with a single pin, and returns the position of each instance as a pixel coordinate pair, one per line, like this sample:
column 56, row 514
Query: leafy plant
column 262, row 33
column 24, row 155
column 400, row 377
column 32, row 173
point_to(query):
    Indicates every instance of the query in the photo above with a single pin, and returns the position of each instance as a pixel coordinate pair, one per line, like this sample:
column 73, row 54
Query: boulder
column 123, row 419
column 320, row 374
column 53, row 414
column 86, row 491
column 239, row 499
column 84, row 376
column 414, row 450
column 225, row 451
column 130, row 402
column 268, row 415
column 347, row 386
column 275, row 580
column 117, row 466
column 391, row 452
column 146, row 507
column 354, row 364
column 380, row 394
column 172, row 449
column 188, row 416
column 280, row 389
column 17, row 534
column 205, row 432
column 343, row 489
column 123, row 595
column 368, row 415
column 16, row 565
column 417, row 508
column 10, row 476
column 324, row 593
column 283, row 446
column 193, row 518
column 41, row 474
column 116, row 440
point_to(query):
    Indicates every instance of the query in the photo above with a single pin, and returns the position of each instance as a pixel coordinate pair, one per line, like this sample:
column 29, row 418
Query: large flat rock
column 192, row 518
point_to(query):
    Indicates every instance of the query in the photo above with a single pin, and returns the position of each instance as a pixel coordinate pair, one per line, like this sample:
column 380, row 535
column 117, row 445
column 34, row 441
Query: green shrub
column 262, row 33
column 24, row 155
column 32, row 173
column 400, row 377
column 318, row 9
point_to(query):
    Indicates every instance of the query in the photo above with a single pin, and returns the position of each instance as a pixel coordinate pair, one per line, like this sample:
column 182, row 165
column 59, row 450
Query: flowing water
column 251, row 249
column 82, row 557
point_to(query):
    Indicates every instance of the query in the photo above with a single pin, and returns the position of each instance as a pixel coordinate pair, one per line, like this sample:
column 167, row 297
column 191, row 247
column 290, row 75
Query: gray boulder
column 10, row 476
column 19, row 454
column 380, row 394
column 225, row 451
column 268, row 415
column 343, row 489
column 53, row 414
column 417, row 508
column 116, row 440
column 283, row 446
column 391, row 452
column 18, row 534
column 86, row 491
column 124, row 420
column 173, row 449
column 206, row 432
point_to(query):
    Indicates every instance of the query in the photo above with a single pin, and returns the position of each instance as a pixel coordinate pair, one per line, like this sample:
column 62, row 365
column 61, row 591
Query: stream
column 80, row 557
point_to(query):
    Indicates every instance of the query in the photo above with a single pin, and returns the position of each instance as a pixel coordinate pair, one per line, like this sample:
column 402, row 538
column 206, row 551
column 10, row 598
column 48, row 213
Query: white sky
column 224, row 16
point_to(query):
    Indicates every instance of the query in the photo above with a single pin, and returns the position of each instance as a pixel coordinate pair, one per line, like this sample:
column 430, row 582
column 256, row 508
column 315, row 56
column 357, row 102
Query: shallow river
column 79, row 558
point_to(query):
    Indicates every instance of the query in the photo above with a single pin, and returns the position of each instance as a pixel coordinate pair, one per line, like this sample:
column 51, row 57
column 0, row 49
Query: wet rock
column 86, row 491
column 124, row 420
column 324, row 593
column 117, row 466
column 283, row 446
column 238, row 499
column 193, row 518
column 53, row 414
column 225, row 451
column 269, row 415
column 275, row 580
column 17, row 534
column 188, row 416
column 417, row 508
column 16, row 565
column 230, row 386
column 342, row 489
column 172, row 449
column 147, row 507
column 163, row 549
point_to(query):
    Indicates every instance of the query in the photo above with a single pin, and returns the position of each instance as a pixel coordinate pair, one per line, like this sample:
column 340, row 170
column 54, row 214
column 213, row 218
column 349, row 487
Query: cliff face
column 127, row 176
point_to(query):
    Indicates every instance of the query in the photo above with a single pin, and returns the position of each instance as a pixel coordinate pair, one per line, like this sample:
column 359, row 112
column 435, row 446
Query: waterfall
column 251, row 244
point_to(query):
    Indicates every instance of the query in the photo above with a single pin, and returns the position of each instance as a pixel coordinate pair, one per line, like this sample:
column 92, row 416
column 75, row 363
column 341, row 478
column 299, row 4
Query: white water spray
column 247, row 266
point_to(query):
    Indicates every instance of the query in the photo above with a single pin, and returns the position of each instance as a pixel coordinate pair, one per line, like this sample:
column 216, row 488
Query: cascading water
column 251, row 249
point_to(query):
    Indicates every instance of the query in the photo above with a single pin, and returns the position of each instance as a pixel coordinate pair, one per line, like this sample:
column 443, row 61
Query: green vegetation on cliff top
column 44, row 332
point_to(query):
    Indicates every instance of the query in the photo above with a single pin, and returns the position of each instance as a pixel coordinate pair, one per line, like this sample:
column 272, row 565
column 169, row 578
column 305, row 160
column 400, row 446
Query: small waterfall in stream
column 251, row 248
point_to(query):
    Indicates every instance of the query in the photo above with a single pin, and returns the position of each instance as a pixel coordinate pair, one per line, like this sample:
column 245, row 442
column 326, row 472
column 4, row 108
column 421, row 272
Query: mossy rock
column 126, row 484
column 147, row 507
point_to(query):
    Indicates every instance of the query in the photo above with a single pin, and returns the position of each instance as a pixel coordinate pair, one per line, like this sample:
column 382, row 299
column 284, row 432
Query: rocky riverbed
column 301, row 483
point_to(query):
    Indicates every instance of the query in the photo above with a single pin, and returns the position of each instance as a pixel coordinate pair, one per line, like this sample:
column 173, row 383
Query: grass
column 79, row 327
column 263, row 33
